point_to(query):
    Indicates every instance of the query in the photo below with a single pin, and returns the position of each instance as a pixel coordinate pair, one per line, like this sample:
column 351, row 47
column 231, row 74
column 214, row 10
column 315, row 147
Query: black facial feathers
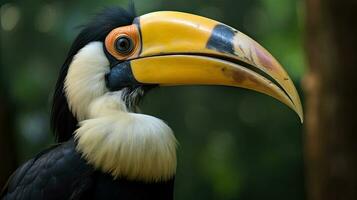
column 63, row 122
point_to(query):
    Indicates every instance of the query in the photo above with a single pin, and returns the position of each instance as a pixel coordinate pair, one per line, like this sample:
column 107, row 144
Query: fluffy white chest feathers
column 129, row 145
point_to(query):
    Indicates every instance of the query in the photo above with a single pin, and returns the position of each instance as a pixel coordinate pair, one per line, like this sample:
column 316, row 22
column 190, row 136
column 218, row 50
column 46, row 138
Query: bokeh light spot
column 10, row 16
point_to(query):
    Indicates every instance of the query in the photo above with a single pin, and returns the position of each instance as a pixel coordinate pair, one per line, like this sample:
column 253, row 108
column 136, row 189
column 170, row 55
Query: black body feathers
column 60, row 173
column 57, row 173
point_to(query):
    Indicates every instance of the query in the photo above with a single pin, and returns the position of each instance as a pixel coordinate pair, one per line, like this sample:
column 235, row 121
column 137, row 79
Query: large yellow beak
column 180, row 48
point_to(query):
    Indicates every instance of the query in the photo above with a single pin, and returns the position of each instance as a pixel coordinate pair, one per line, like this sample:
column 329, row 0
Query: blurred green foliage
column 234, row 143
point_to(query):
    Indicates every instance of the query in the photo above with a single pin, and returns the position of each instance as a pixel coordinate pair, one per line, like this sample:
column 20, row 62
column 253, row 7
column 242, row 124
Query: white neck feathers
column 126, row 145
column 129, row 145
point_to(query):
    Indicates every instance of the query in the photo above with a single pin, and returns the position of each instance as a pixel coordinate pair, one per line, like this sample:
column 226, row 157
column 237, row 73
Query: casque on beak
column 174, row 48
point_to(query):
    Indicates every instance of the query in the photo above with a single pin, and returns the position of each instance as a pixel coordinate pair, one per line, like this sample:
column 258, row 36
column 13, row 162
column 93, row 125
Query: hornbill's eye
column 124, row 44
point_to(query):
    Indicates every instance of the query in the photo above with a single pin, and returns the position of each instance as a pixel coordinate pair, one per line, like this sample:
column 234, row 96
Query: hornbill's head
column 118, row 57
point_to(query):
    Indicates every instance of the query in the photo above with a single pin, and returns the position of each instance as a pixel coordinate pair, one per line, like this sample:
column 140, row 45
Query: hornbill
column 106, row 149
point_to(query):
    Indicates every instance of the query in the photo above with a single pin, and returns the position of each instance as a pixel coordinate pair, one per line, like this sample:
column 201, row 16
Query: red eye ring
column 123, row 42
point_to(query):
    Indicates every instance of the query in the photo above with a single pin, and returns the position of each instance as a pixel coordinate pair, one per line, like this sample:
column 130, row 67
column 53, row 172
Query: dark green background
column 234, row 143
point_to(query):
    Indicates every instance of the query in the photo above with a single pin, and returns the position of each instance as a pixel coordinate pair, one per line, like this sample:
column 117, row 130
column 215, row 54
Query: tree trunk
column 331, row 90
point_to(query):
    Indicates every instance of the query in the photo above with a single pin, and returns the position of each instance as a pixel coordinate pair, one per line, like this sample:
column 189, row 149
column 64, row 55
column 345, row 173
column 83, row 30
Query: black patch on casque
column 222, row 39
column 63, row 122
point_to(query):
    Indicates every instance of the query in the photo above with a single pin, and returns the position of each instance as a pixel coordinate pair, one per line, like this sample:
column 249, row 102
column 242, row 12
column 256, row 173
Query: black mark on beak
column 222, row 39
